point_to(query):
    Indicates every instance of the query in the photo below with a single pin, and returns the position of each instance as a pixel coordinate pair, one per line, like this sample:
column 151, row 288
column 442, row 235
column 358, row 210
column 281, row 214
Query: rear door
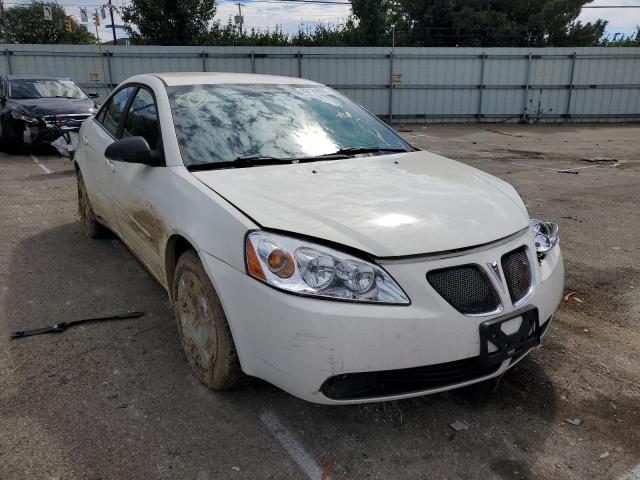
column 96, row 135
column 135, row 187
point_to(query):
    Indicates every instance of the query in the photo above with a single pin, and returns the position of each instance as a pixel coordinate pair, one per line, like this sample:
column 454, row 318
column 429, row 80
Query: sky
column 266, row 14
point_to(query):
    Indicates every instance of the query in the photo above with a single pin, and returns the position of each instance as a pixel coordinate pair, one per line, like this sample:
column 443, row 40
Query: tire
column 92, row 228
column 10, row 145
column 202, row 324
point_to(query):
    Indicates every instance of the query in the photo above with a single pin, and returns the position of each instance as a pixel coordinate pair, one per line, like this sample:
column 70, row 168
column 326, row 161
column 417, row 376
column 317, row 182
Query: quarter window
column 142, row 118
column 113, row 111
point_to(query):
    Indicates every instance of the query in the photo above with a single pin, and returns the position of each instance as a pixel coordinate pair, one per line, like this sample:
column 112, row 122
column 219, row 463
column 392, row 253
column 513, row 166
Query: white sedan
column 304, row 242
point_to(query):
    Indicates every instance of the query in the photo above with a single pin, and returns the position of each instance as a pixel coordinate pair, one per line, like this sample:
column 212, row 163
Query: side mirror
column 93, row 95
column 132, row 150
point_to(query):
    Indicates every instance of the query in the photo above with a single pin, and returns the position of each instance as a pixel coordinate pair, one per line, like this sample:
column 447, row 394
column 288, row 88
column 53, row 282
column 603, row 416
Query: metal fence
column 405, row 84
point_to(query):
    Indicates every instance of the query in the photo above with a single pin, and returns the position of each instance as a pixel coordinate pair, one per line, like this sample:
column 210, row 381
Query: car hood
column 37, row 107
column 391, row 205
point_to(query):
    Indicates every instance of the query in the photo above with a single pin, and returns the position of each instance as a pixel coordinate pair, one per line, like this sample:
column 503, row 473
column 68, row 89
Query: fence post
column 108, row 54
column 7, row 54
column 481, row 91
column 253, row 62
column 204, row 56
column 571, row 80
column 525, row 95
column 391, row 55
column 299, row 55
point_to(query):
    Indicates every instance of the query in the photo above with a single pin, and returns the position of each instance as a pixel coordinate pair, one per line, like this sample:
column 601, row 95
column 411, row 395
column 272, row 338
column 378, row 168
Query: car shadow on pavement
column 117, row 399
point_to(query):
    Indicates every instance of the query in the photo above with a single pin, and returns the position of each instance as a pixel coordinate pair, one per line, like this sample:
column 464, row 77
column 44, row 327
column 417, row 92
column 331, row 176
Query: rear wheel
column 92, row 228
column 202, row 324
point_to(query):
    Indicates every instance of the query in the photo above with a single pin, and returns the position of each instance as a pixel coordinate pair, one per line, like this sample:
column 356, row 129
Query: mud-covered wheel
column 90, row 224
column 202, row 324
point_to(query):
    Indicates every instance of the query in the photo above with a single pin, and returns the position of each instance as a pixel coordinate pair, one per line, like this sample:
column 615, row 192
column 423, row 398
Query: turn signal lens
column 253, row 264
column 281, row 263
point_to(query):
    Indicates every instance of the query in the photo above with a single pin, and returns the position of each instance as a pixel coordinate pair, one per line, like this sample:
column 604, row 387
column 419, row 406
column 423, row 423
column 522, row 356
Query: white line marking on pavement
column 291, row 445
column 536, row 166
column 40, row 164
column 633, row 474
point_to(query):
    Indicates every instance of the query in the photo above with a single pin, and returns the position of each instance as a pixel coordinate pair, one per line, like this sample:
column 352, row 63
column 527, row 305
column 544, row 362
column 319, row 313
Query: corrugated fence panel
column 408, row 84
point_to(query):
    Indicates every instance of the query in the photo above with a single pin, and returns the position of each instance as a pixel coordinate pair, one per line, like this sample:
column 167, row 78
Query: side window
column 113, row 111
column 142, row 118
column 100, row 115
column 1, row 87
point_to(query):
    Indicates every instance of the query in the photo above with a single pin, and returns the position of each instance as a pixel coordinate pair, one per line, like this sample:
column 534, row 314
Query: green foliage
column 491, row 23
column 168, row 22
column 486, row 23
column 618, row 40
column 26, row 24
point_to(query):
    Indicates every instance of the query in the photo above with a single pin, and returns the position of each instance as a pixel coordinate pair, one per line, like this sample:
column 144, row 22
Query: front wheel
column 92, row 228
column 12, row 145
column 202, row 325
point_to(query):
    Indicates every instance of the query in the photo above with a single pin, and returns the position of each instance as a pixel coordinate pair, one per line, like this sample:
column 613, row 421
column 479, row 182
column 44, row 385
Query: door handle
column 85, row 140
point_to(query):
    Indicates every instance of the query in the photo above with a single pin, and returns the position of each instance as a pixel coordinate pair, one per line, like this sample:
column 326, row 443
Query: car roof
column 212, row 78
column 34, row 77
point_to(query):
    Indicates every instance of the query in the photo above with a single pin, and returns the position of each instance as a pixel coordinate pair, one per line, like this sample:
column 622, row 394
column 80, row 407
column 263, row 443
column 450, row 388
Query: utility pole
column 393, row 38
column 241, row 20
column 113, row 26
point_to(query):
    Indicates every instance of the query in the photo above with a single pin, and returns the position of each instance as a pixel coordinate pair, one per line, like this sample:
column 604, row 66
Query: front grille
column 517, row 273
column 66, row 119
column 351, row 386
column 467, row 288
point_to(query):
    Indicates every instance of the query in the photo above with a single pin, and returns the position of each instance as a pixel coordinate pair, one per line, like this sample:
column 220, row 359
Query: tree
column 168, row 22
column 490, row 23
column 619, row 40
column 374, row 21
column 26, row 24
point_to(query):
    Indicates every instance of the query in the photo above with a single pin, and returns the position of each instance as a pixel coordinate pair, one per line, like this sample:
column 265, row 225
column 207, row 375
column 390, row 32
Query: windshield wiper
column 239, row 162
column 356, row 150
column 251, row 160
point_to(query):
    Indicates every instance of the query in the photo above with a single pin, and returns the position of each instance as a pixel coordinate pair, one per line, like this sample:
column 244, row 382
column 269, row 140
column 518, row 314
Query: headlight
column 24, row 118
column 545, row 236
column 309, row 269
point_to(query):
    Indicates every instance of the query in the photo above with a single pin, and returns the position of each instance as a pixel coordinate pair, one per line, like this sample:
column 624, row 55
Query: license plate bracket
column 509, row 345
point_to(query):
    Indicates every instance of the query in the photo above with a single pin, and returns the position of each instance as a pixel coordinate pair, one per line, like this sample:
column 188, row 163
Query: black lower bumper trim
column 352, row 386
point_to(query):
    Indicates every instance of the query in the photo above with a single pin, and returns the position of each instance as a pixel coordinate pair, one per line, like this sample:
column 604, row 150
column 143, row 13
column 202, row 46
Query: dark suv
column 36, row 109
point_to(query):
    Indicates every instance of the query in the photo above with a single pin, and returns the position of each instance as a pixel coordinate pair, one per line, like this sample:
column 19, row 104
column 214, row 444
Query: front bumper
column 299, row 343
column 46, row 129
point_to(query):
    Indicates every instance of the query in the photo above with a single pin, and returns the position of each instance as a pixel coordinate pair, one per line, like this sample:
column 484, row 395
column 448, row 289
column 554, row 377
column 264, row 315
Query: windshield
column 219, row 123
column 45, row 88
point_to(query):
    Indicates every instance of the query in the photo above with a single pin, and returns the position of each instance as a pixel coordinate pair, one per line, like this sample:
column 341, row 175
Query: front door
column 134, row 187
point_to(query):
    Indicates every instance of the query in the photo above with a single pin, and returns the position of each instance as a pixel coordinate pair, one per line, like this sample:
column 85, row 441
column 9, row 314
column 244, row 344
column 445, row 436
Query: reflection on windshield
column 45, row 88
column 218, row 123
